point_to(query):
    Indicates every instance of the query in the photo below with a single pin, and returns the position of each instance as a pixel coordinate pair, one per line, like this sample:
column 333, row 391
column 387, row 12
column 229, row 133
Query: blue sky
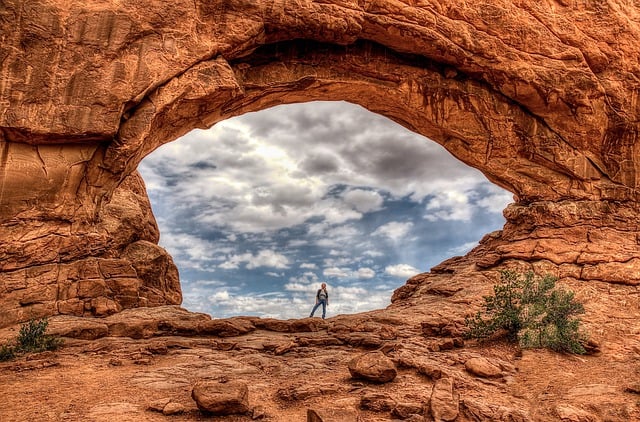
column 260, row 209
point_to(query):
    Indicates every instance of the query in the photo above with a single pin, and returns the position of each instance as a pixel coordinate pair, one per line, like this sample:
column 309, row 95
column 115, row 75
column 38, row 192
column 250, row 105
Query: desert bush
column 32, row 338
column 530, row 310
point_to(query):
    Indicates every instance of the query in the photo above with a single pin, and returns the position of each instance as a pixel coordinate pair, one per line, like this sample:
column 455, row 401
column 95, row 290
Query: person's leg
column 324, row 308
column 314, row 309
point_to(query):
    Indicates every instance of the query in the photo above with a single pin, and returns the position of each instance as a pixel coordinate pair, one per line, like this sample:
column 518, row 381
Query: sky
column 260, row 209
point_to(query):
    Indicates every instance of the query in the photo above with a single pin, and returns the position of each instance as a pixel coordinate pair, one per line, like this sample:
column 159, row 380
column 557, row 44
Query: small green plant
column 31, row 339
column 528, row 309
column 7, row 352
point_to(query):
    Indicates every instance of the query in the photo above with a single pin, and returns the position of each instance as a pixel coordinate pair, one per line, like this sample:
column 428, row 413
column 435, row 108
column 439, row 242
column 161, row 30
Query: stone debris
column 568, row 413
column 444, row 403
column 373, row 366
column 483, row 367
column 377, row 402
column 221, row 399
column 173, row 408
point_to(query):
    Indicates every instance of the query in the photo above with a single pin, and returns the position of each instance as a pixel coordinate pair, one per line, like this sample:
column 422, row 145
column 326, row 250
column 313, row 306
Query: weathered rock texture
column 541, row 96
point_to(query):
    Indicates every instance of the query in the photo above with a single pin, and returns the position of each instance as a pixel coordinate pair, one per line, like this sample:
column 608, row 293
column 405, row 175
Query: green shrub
column 7, row 352
column 528, row 309
column 31, row 339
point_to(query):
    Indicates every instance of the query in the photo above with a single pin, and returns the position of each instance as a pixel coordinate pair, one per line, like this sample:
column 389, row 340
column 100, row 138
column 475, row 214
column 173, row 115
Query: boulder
column 482, row 367
column 373, row 366
column 221, row 399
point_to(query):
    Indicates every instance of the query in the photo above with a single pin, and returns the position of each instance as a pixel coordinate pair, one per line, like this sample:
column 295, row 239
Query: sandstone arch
column 542, row 98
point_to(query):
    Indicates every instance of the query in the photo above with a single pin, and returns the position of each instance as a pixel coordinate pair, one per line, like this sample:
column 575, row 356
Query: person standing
column 322, row 298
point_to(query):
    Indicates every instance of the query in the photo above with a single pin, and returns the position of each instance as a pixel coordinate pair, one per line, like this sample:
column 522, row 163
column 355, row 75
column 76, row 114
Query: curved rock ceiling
column 542, row 97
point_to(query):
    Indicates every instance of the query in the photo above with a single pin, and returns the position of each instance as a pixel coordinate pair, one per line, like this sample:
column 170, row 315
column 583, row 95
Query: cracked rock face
column 542, row 97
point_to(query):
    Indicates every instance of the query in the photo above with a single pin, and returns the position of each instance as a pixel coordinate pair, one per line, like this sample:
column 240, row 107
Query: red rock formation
column 542, row 97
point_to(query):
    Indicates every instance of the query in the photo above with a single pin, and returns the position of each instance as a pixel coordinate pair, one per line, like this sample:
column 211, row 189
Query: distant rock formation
column 542, row 97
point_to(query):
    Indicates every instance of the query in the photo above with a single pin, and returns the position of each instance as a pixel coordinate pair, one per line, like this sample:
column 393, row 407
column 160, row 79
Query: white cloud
column 301, row 283
column 450, row 205
column 497, row 200
column 393, row 230
column 336, row 272
column 401, row 270
column 264, row 258
column 363, row 200
column 268, row 258
column 297, row 287
column 254, row 176
column 366, row 273
column 309, row 266
column 220, row 296
column 373, row 254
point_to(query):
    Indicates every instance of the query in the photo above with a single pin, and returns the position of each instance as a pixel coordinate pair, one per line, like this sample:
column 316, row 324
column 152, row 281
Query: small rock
column 446, row 344
column 406, row 410
column 284, row 348
column 172, row 408
column 445, row 405
column 568, row 413
column 258, row 412
column 633, row 388
column 592, row 347
column 373, row 366
column 158, row 405
column 221, row 399
column 422, row 365
column 377, row 402
column 483, row 368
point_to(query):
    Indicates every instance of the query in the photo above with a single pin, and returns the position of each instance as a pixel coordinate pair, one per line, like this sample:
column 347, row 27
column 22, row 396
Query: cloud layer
column 260, row 209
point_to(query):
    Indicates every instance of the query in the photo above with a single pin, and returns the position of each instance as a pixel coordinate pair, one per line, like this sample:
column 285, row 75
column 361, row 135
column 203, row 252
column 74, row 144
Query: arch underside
column 538, row 110
column 513, row 147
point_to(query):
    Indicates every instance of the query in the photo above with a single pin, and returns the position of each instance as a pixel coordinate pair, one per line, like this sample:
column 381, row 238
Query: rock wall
column 542, row 97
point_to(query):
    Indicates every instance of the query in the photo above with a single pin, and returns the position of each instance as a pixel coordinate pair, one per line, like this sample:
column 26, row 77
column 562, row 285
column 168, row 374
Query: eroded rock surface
column 145, row 358
column 541, row 97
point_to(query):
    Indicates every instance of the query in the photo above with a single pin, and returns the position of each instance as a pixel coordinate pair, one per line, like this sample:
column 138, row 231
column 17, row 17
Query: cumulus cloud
column 264, row 258
column 363, row 200
column 496, row 200
column 394, row 230
column 336, row 272
column 401, row 270
column 366, row 273
column 450, row 205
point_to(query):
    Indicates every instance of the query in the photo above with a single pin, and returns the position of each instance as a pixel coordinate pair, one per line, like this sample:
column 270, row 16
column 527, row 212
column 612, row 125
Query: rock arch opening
column 261, row 208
